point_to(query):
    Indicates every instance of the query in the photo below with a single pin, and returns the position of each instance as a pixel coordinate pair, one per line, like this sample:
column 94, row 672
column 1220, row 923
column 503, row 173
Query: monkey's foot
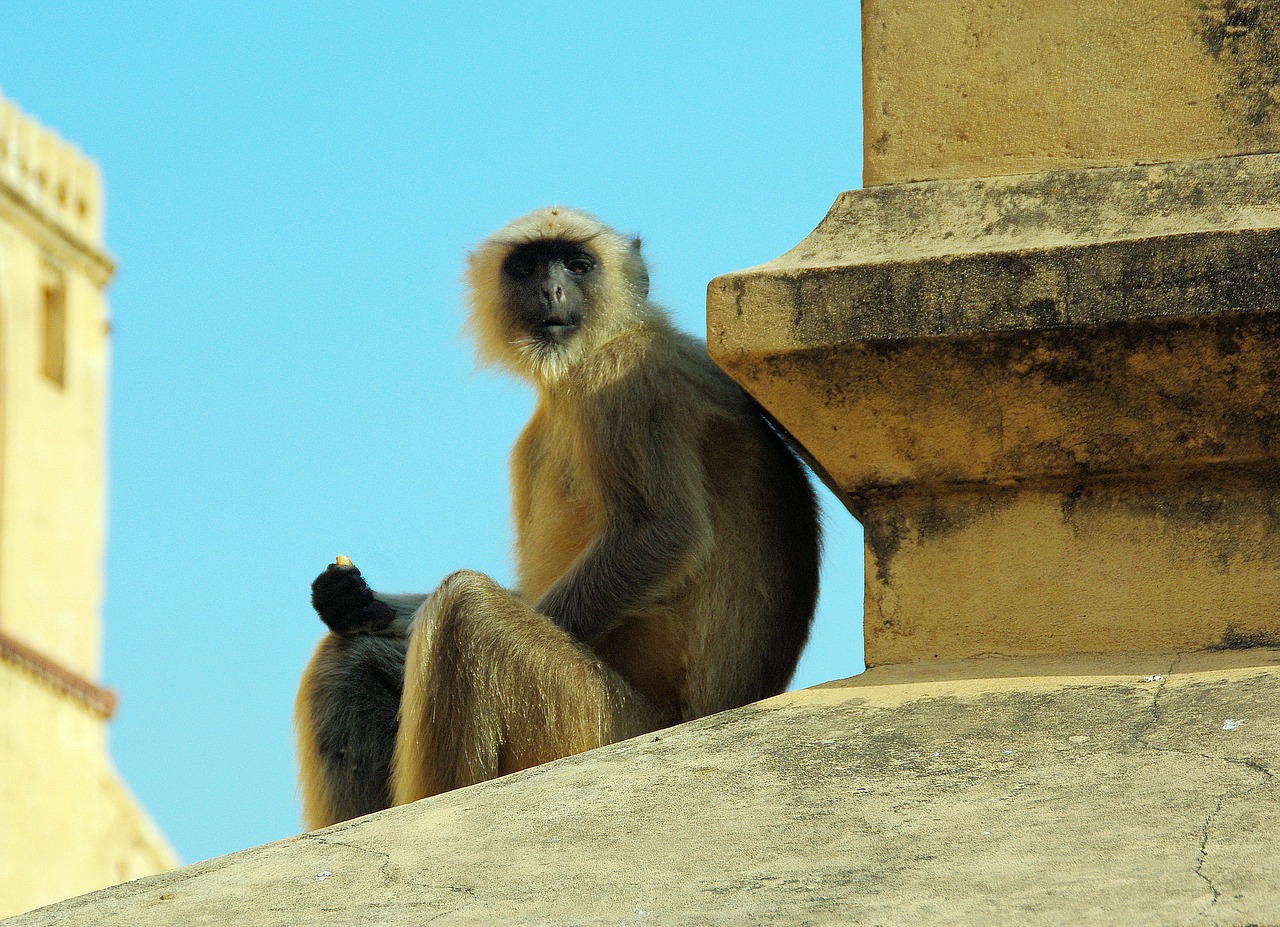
column 344, row 601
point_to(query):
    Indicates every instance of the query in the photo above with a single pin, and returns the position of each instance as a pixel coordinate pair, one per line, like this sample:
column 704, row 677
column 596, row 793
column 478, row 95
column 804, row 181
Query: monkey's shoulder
column 656, row 364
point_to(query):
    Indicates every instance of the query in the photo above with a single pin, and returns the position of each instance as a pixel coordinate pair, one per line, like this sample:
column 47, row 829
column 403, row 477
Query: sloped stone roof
column 1108, row 789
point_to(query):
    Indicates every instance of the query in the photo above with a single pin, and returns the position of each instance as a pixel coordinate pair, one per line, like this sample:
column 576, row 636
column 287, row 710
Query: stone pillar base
column 1053, row 401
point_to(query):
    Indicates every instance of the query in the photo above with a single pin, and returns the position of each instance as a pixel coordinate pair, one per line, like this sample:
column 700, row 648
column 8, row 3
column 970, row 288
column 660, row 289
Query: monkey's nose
column 554, row 294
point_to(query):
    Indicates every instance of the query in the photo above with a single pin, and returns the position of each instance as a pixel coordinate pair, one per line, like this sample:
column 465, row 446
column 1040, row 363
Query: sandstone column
column 1039, row 355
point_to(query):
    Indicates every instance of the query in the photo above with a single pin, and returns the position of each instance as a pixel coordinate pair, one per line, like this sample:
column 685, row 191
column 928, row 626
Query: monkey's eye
column 579, row 265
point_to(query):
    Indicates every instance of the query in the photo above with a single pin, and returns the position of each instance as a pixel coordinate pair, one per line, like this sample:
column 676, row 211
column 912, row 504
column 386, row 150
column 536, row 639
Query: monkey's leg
column 492, row 687
column 346, row 723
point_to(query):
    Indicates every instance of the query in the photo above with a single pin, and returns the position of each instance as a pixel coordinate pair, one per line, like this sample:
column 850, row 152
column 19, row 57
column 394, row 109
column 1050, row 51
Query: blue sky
column 291, row 190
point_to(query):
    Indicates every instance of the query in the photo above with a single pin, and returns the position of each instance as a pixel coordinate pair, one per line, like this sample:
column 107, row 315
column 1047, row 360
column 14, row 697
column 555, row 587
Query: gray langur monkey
column 667, row 547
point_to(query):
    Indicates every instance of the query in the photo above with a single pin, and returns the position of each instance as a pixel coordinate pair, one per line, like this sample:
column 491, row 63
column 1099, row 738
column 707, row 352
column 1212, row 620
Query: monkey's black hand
column 344, row 602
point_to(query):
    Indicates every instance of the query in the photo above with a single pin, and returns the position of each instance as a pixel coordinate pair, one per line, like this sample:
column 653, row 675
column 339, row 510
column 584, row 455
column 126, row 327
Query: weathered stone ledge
column 961, row 257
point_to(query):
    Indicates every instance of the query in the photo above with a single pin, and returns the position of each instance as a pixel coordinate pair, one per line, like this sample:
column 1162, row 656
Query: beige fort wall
column 69, row 823
column 54, row 478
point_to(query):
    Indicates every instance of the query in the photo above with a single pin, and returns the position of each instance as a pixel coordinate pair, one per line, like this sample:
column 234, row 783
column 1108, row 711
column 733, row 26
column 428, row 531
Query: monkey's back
column 756, row 602
column 730, row 632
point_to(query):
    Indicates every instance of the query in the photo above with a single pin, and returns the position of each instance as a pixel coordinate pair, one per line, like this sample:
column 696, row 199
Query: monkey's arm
column 404, row 604
column 657, row 518
column 345, row 603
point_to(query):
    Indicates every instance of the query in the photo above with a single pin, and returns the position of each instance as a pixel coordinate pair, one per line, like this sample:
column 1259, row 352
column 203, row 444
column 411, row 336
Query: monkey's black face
column 550, row 285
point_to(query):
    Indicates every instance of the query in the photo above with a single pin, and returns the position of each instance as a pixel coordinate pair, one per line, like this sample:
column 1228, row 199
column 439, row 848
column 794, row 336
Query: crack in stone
column 1157, row 714
column 386, row 865
column 1203, row 854
column 1231, row 795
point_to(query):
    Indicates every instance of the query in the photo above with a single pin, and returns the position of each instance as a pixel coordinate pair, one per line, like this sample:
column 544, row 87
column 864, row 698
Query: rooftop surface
column 1081, row 790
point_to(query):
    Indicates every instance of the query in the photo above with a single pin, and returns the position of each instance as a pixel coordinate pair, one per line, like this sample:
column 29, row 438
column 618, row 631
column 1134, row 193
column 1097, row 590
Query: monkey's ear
column 642, row 272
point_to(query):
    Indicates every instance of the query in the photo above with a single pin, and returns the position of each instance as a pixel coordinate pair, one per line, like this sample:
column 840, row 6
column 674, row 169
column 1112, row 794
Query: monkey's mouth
column 557, row 331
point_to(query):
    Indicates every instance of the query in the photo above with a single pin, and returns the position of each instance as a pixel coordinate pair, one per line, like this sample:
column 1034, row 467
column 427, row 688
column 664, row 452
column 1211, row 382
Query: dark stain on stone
column 891, row 518
column 736, row 289
column 793, row 285
column 1196, row 274
column 1243, row 37
column 1223, row 515
column 935, row 517
column 1210, row 382
column 883, row 533
column 1046, row 310
column 938, row 745
column 1229, row 342
column 1235, row 639
column 1071, row 501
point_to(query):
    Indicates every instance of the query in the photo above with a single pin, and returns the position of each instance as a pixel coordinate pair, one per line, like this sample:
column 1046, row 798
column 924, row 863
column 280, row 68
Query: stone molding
column 102, row 702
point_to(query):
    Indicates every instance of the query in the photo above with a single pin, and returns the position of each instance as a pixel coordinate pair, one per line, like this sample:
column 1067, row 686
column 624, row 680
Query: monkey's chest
column 559, row 522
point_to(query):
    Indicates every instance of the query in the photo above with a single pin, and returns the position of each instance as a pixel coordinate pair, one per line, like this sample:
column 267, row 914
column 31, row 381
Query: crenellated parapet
column 49, row 176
